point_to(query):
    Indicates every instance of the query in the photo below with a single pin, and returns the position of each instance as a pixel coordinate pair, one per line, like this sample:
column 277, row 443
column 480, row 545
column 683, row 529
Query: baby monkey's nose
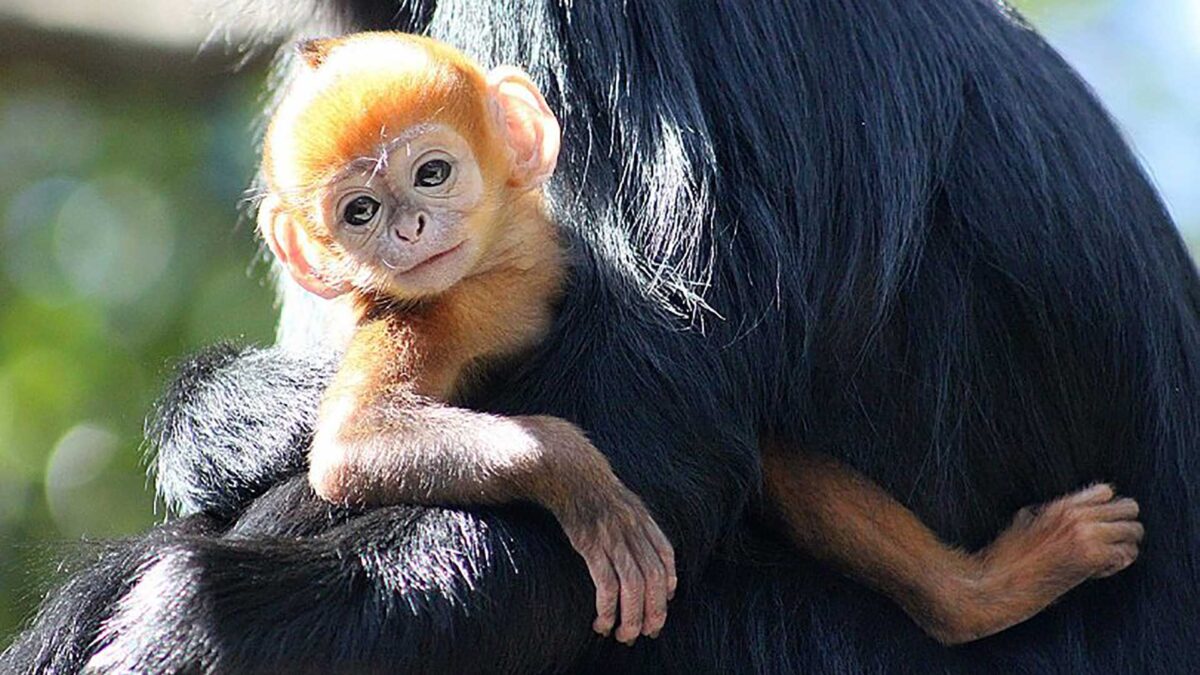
column 409, row 228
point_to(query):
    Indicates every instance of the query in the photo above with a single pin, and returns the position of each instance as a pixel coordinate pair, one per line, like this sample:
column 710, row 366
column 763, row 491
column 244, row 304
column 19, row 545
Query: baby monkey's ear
column 313, row 51
column 295, row 248
column 530, row 129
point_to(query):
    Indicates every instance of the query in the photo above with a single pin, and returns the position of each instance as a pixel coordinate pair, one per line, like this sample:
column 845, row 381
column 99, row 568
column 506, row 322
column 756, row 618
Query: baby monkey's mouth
column 432, row 259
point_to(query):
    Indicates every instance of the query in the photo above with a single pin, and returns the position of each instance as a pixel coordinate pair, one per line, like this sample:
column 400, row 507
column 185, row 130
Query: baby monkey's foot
column 1087, row 534
column 1046, row 551
column 630, row 560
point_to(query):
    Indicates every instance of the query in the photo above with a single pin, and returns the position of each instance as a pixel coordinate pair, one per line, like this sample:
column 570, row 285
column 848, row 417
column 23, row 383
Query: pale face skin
column 405, row 218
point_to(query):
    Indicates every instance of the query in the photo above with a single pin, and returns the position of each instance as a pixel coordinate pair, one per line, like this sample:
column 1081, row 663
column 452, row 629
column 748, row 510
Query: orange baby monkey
column 402, row 175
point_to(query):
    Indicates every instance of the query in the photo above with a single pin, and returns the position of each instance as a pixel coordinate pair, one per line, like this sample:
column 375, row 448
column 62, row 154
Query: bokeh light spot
column 113, row 239
column 26, row 240
column 79, row 458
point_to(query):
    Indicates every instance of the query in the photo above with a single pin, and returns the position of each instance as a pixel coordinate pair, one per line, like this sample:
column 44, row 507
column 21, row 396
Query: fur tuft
column 228, row 413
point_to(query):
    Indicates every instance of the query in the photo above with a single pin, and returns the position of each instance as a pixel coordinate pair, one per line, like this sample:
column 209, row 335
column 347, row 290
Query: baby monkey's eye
column 360, row 210
column 432, row 173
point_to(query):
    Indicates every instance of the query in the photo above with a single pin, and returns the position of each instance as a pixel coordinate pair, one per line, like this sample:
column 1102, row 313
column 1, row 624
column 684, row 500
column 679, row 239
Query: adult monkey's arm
column 297, row 585
column 404, row 587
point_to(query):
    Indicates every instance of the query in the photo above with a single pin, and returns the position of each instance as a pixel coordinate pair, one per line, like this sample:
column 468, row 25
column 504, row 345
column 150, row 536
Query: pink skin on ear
column 296, row 250
column 532, row 131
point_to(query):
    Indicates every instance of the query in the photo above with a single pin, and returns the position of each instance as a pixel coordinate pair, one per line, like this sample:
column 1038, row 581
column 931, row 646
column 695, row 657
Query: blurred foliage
column 120, row 250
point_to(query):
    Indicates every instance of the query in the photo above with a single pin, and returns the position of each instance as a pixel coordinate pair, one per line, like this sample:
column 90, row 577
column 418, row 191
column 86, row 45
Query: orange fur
column 498, row 312
column 344, row 119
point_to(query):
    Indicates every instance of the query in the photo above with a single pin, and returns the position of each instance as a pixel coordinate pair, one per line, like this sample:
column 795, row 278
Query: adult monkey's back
column 900, row 233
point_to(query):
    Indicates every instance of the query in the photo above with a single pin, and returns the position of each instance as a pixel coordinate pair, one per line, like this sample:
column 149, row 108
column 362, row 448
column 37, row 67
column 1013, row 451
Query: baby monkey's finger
column 632, row 590
column 1118, row 509
column 655, row 577
column 1123, row 556
column 1121, row 532
column 1093, row 494
column 666, row 553
column 607, row 588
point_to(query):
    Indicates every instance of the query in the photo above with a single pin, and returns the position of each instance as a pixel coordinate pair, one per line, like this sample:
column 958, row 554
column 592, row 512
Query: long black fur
column 901, row 233
column 254, row 440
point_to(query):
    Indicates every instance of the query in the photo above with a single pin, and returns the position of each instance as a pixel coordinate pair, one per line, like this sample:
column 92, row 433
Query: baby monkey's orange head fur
column 394, row 163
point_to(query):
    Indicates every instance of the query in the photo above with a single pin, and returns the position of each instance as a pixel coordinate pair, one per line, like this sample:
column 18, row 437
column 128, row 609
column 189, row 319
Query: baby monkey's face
column 409, row 215
column 397, row 167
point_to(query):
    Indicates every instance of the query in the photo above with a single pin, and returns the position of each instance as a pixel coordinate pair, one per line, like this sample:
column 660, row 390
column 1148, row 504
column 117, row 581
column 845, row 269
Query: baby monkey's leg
column 842, row 517
column 436, row 454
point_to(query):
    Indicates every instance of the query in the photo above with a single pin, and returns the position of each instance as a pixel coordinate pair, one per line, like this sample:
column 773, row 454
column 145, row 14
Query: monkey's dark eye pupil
column 433, row 173
column 360, row 210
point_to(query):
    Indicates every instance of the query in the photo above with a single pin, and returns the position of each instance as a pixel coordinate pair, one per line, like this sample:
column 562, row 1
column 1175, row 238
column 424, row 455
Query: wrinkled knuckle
column 1094, row 549
column 630, row 519
column 628, row 574
column 608, row 579
column 637, row 582
column 1082, row 532
column 1073, row 513
column 653, row 573
column 1094, row 554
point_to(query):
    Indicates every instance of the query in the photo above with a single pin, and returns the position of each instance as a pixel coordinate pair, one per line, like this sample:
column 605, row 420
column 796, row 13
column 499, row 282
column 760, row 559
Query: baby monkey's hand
column 629, row 558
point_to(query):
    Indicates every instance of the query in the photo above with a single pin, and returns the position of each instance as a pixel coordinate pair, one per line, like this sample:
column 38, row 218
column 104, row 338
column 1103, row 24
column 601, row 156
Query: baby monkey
column 403, row 176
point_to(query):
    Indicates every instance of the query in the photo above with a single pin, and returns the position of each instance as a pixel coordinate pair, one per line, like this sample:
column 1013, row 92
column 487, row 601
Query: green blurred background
column 124, row 152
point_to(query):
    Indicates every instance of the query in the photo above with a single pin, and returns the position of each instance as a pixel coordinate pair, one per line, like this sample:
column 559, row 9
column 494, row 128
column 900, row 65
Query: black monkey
column 900, row 233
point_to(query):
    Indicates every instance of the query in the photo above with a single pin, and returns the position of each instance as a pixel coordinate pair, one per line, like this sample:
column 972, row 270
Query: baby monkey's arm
column 840, row 516
column 378, row 446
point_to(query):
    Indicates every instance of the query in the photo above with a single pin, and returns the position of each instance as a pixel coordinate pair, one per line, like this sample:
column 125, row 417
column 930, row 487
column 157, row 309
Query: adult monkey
column 900, row 233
